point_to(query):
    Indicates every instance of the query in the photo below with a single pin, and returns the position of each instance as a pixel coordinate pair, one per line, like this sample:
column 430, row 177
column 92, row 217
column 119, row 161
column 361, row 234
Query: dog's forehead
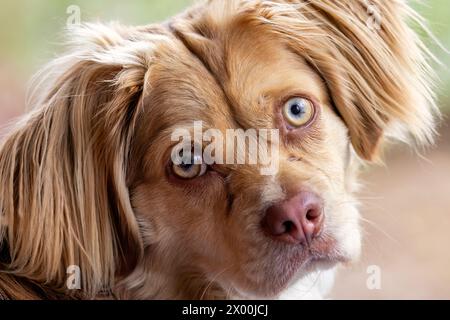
column 261, row 66
column 232, row 82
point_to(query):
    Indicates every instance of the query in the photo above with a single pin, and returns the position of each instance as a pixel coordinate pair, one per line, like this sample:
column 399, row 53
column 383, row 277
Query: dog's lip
column 305, row 263
column 331, row 259
column 320, row 251
column 317, row 258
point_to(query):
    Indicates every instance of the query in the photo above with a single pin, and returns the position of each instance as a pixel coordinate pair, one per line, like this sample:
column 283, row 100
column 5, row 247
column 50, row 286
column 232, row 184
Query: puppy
column 94, row 206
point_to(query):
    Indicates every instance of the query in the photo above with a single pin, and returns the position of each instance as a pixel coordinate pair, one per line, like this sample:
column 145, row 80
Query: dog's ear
column 63, row 190
column 374, row 64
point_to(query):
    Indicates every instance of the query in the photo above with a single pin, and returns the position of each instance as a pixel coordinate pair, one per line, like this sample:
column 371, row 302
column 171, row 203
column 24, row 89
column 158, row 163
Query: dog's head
column 333, row 78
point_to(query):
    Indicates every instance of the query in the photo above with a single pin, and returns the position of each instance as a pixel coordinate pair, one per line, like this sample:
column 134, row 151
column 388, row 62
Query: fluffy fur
column 83, row 177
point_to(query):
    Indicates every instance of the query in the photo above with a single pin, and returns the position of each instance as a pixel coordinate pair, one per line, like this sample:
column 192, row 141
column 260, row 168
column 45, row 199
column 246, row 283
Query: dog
column 93, row 205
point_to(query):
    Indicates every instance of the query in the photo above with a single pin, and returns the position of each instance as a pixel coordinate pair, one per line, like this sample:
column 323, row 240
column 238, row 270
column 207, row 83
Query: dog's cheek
column 192, row 218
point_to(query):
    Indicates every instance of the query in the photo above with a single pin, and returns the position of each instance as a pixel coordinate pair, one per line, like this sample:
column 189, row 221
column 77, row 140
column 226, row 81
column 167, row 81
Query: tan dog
column 87, row 180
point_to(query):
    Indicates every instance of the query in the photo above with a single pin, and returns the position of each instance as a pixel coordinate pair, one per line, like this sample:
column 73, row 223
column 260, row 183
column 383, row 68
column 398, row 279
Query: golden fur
column 82, row 175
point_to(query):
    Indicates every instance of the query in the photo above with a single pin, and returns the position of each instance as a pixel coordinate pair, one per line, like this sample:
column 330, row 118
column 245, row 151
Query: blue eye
column 298, row 111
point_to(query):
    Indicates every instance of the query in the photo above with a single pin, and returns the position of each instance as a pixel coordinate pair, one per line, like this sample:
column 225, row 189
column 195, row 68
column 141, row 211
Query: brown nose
column 296, row 220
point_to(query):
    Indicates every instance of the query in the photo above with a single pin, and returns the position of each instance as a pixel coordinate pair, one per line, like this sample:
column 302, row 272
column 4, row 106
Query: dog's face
column 219, row 221
column 146, row 226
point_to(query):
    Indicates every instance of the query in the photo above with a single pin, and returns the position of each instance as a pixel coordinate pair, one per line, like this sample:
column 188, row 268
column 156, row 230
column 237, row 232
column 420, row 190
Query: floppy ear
column 373, row 63
column 63, row 191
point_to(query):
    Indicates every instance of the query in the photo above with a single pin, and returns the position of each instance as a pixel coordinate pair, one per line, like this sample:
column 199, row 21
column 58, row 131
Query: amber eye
column 191, row 167
column 298, row 111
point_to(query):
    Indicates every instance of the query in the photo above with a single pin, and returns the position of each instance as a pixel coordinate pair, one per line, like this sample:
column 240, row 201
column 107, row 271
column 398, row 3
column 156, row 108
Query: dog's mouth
column 286, row 264
column 320, row 252
column 300, row 262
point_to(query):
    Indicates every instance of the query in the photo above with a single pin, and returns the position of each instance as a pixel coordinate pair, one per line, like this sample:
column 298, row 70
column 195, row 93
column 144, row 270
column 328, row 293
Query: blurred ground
column 408, row 236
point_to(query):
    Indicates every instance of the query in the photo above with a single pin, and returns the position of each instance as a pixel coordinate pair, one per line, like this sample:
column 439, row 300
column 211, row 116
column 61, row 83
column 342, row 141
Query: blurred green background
column 30, row 29
column 406, row 205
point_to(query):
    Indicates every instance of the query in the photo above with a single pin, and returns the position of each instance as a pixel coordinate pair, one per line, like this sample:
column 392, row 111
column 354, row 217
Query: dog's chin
column 287, row 266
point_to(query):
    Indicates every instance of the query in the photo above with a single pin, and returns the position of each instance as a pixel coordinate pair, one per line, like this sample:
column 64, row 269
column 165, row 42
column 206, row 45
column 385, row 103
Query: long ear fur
column 63, row 194
column 378, row 75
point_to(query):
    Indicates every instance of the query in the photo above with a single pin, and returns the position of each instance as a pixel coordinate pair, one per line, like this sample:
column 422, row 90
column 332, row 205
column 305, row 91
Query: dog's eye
column 188, row 169
column 298, row 111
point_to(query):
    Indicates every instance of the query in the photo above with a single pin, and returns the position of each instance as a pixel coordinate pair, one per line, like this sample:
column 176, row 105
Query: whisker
column 379, row 229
